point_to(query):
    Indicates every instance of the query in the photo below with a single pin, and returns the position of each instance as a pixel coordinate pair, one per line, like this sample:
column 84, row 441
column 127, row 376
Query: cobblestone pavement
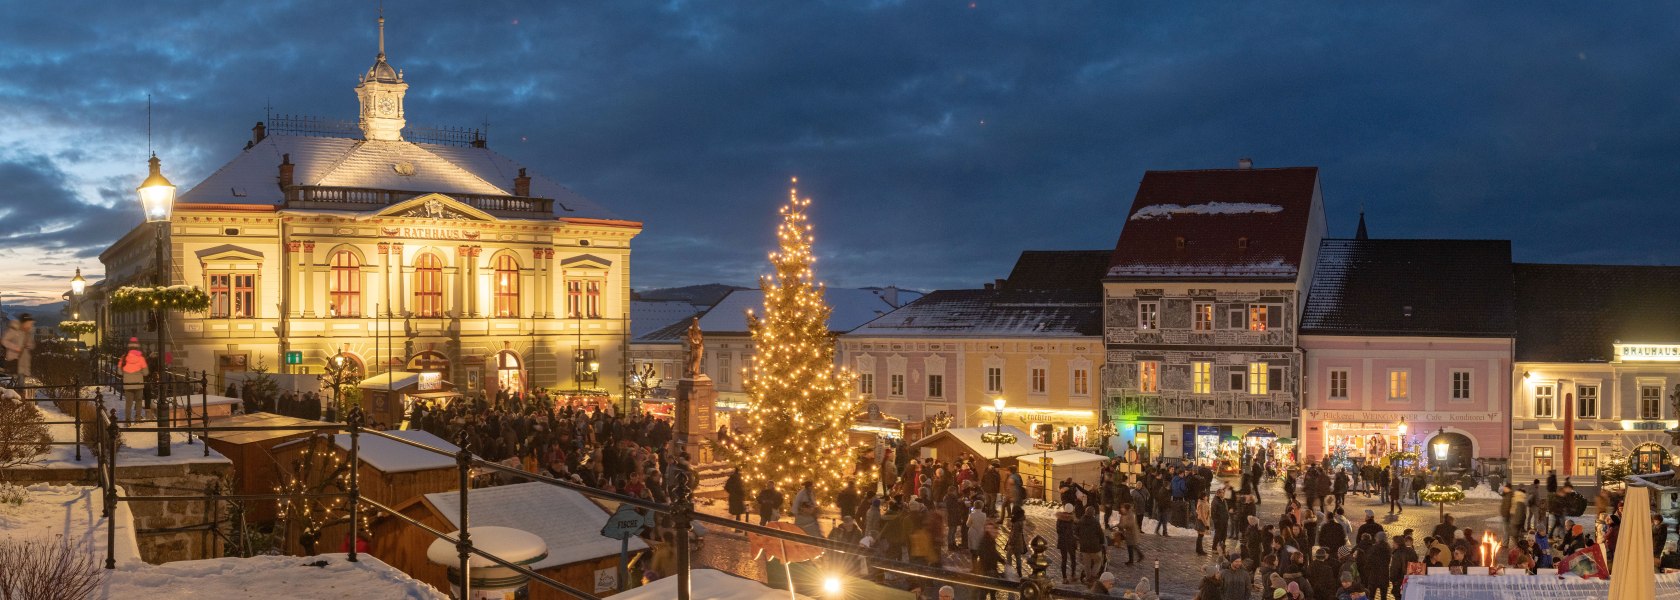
column 1181, row 569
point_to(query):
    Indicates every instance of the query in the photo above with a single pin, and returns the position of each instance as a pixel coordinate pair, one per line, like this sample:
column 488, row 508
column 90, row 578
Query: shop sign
column 432, row 233
column 1648, row 352
column 1412, row 416
column 430, row 382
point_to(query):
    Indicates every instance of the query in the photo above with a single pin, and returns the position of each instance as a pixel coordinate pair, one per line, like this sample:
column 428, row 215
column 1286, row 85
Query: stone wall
column 166, row 530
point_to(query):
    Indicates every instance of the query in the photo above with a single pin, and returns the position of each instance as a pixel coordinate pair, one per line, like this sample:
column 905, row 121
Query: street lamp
column 1402, row 427
column 997, row 441
column 157, row 199
column 77, row 284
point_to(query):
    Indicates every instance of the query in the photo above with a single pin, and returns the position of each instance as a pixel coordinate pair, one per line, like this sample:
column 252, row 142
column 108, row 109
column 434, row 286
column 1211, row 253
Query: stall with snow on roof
column 952, row 444
column 388, row 397
column 1085, row 468
column 390, row 473
column 570, row 523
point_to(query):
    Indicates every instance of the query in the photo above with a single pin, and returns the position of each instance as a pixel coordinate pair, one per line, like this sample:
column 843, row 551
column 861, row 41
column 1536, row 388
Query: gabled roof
column 1067, row 270
column 391, row 456
column 1411, row 288
column 649, row 316
column 252, row 177
column 972, row 438
column 992, row 313
column 1210, row 210
column 1576, row 313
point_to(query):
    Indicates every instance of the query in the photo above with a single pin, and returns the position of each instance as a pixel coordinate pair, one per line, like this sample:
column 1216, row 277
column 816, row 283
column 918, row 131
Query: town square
column 930, row 301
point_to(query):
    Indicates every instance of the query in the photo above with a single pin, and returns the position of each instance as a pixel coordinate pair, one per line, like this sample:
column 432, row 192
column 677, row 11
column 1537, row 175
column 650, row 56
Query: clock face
column 387, row 105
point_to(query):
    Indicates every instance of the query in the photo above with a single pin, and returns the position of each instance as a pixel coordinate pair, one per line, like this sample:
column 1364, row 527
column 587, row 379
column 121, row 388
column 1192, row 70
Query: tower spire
column 381, row 94
column 381, row 31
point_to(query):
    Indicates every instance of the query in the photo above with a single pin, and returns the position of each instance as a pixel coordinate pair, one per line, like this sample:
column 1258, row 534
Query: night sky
column 938, row 139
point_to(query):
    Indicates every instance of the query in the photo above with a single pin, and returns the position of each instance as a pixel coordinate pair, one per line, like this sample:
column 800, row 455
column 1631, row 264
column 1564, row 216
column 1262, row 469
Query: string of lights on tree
column 319, row 470
column 800, row 406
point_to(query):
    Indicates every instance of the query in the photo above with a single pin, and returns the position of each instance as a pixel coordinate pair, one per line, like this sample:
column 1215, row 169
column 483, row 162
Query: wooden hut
column 387, row 397
column 578, row 555
column 953, row 444
column 254, row 468
column 390, row 473
column 195, row 406
column 1054, row 466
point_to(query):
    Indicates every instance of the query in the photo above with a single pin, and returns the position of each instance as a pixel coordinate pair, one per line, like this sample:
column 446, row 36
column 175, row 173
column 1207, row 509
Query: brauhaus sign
column 1648, row 352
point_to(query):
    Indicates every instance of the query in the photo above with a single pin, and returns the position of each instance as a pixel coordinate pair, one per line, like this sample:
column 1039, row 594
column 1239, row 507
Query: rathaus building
column 389, row 247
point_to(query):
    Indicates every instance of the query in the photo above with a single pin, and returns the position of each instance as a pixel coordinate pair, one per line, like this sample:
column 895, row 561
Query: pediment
column 228, row 252
column 434, row 206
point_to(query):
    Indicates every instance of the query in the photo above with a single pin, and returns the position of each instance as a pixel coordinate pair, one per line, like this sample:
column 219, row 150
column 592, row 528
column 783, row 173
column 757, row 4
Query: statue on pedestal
column 696, row 350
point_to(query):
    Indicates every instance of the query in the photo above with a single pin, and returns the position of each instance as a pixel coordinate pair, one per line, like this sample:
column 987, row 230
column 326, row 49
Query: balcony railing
column 1216, row 406
column 348, row 197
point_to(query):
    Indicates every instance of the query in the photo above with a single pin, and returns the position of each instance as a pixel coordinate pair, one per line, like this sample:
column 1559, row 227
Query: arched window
column 428, row 286
column 345, row 286
column 506, row 285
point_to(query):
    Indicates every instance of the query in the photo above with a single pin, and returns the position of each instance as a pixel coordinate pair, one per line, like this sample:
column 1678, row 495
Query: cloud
column 937, row 141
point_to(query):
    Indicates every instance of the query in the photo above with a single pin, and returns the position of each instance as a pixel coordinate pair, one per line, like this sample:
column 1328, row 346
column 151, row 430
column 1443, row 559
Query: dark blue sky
column 938, row 139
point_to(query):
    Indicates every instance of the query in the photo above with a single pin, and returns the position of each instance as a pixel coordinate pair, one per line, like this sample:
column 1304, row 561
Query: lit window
column 592, row 298
column 1081, row 382
column 244, row 296
column 1149, row 376
column 506, row 284
column 428, row 286
column 219, row 299
column 1399, row 385
column 1339, row 384
column 1586, row 462
column 1201, row 377
column 1588, row 404
column 1650, row 402
column 1543, row 459
column 1203, row 316
column 1461, row 385
column 1037, row 380
column 1543, row 401
column 1263, row 317
column 345, row 289
column 1259, row 380
column 1149, row 315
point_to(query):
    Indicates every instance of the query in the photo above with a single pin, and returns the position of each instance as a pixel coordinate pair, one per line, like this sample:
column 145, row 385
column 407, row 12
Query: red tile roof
column 1213, row 212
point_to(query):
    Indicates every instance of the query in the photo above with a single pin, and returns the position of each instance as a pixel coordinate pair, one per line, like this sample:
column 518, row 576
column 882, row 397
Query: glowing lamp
column 1402, row 425
column 157, row 195
column 831, row 586
column 1441, row 450
column 998, row 403
column 77, row 284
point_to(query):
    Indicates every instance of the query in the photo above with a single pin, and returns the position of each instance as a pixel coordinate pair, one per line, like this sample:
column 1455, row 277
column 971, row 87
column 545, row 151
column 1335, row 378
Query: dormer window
column 1179, row 241
column 1242, row 243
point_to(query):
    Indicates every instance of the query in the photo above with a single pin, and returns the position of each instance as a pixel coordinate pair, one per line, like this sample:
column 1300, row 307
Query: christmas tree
column 800, row 405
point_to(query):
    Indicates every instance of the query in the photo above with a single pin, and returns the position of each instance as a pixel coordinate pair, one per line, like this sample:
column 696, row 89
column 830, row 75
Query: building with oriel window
column 1201, row 305
column 1597, row 369
column 390, row 247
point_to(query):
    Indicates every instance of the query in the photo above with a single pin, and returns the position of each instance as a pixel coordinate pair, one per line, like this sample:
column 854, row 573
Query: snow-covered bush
column 13, row 495
column 23, row 434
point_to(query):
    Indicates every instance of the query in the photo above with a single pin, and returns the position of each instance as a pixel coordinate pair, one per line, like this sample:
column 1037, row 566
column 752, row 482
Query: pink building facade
column 1362, row 387
column 1409, row 344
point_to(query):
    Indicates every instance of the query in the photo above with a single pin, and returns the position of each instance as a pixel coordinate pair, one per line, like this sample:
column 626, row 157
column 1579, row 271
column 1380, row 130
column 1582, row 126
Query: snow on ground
column 72, row 512
column 138, row 448
column 1482, row 492
column 266, row 578
column 708, row 584
column 1046, row 512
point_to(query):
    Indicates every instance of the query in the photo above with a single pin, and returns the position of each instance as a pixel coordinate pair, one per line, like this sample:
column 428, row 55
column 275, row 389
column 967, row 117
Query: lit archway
column 1649, row 457
column 510, row 373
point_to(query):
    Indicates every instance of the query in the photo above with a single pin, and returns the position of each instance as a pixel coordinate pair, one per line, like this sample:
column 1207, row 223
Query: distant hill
column 706, row 294
column 45, row 315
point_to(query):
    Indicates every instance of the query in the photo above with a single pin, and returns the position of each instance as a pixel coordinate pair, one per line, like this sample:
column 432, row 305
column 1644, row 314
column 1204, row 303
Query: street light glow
column 831, row 586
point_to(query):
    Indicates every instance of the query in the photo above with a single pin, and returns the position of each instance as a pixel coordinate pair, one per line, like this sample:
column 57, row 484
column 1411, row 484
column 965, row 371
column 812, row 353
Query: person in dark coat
column 1373, row 566
column 1067, row 540
column 737, row 491
column 1332, row 537
column 1323, row 573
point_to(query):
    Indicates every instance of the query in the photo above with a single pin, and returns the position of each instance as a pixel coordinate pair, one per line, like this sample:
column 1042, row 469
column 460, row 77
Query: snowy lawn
column 72, row 512
column 266, row 578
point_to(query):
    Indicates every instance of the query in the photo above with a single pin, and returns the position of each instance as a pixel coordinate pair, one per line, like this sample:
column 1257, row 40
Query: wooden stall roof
column 258, row 419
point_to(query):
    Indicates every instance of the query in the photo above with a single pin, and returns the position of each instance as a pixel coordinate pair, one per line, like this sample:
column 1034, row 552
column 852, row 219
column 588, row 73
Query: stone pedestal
column 696, row 401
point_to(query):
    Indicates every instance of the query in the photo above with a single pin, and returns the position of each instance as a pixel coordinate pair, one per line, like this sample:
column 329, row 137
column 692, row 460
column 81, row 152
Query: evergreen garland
column 184, row 298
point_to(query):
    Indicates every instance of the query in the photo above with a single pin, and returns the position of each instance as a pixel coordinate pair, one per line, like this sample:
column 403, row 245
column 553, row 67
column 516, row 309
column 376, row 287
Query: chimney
column 522, row 184
column 890, row 294
column 999, row 283
column 989, row 286
column 1245, row 163
column 478, row 140
column 285, row 171
column 258, row 133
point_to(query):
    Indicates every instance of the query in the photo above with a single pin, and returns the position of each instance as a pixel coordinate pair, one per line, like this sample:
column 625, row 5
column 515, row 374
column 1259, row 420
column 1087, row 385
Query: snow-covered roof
column 851, row 308
column 267, row 577
column 391, row 456
column 1168, row 211
column 971, row 437
column 392, row 380
column 647, row 316
column 1065, row 457
column 991, row 313
column 207, row 400
column 252, row 177
column 708, row 584
column 568, row 521
column 1240, row 223
column 507, row 543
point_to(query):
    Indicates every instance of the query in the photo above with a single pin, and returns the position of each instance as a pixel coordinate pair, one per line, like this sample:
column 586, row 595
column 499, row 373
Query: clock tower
column 381, row 94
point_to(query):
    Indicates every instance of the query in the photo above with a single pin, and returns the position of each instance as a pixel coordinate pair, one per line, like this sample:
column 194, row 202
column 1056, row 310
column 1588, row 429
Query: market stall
column 1055, row 466
column 389, row 397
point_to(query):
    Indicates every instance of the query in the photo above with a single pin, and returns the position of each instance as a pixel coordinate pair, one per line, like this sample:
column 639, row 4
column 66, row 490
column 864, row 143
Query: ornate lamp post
column 997, row 438
column 157, row 199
